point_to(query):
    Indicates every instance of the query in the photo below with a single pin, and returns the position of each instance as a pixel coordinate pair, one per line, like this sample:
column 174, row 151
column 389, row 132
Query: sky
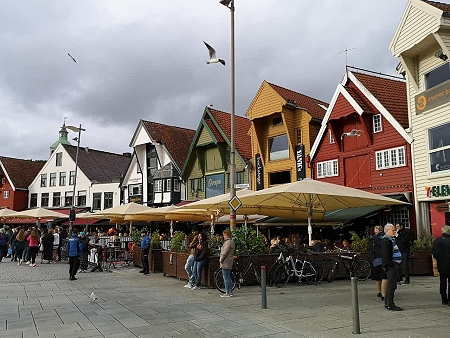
column 145, row 59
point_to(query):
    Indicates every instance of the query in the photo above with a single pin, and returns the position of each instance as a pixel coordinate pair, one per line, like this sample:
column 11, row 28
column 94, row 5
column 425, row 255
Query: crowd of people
column 296, row 242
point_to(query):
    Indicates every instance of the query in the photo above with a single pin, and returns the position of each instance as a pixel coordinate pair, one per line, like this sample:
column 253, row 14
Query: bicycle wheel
column 318, row 266
column 362, row 269
column 220, row 284
column 271, row 274
column 332, row 272
column 282, row 275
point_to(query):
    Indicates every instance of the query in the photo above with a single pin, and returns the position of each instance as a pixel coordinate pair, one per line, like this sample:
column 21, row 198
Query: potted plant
column 421, row 258
column 360, row 244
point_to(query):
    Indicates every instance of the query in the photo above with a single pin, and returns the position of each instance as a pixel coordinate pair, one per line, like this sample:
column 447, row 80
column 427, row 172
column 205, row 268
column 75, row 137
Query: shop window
column 437, row 76
column 327, row 169
column 279, row 178
column 439, row 149
column 278, row 147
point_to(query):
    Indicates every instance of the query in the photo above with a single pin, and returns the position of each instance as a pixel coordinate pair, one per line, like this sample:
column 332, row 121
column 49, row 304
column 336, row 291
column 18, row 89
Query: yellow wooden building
column 284, row 125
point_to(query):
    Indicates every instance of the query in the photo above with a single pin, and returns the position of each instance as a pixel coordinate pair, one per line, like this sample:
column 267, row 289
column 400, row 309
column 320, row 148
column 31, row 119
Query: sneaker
column 231, row 295
column 225, row 295
column 196, row 288
column 406, row 282
column 27, row 262
column 188, row 286
column 33, row 265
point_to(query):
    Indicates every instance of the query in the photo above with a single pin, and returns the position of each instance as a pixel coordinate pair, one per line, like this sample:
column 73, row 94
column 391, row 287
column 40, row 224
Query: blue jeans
column 189, row 269
column 198, row 271
column 227, row 281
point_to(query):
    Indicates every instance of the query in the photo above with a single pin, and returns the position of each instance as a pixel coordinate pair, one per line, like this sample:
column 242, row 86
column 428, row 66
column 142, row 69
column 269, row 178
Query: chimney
column 126, row 154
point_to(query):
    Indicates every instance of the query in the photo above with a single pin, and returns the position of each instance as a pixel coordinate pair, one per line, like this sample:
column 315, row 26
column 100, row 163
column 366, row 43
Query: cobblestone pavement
column 42, row 302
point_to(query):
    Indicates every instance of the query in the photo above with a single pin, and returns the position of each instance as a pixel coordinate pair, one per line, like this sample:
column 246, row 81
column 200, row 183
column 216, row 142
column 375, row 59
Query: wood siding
column 205, row 137
column 265, row 103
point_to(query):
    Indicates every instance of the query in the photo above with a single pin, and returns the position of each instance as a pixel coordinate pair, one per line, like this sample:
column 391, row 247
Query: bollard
column 355, row 306
column 263, row 288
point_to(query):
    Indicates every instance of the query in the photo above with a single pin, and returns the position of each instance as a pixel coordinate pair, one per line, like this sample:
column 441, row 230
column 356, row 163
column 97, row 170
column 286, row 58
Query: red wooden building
column 364, row 143
column 15, row 177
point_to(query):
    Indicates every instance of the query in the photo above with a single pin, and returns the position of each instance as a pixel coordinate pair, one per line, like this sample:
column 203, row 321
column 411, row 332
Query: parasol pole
column 309, row 219
column 131, row 227
column 171, row 228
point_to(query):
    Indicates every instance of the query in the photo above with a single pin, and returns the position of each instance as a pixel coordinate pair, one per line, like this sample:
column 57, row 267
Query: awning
column 345, row 215
column 281, row 221
column 81, row 221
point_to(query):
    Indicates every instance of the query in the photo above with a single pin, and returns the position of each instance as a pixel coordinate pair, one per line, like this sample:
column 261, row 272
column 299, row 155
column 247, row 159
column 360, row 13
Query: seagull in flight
column 354, row 132
column 212, row 55
column 73, row 59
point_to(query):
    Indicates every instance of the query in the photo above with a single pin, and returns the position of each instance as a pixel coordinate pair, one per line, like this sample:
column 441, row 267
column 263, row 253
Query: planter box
column 421, row 263
column 155, row 259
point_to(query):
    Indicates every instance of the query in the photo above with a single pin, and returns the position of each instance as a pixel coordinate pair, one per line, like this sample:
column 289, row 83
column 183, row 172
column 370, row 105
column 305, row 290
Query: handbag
column 9, row 251
column 377, row 262
column 41, row 247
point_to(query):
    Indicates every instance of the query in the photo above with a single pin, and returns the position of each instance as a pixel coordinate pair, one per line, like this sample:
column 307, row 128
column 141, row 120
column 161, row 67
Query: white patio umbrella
column 39, row 213
column 7, row 213
column 151, row 214
column 314, row 197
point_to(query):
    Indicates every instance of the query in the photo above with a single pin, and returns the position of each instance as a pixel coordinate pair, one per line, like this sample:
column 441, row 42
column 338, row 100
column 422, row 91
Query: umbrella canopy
column 39, row 213
column 7, row 213
column 151, row 214
column 314, row 197
column 120, row 211
column 180, row 214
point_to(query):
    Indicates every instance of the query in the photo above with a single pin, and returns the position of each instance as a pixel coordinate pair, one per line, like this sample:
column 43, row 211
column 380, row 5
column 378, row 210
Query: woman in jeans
column 20, row 246
column 33, row 246
column 226, row 262
column 200, row 258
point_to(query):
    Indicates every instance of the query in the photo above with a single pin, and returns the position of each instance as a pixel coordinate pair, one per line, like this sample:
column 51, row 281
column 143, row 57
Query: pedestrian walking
column 189, row 266
column 226, row 262
column 62, row 239
column 20, row 246
column 378, row 274
column 55, row 244
column 441, row 251
column 4, row 238
column 145, row 246
column 33, row 246
column 47, row 245
column 73, row 247
column 404, row 241
column 391, row 259
column 200, row 257
column 84, row 251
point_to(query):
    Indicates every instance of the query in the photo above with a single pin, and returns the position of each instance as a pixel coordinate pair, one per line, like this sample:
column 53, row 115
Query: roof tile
column 21, row 172
column 442, row 6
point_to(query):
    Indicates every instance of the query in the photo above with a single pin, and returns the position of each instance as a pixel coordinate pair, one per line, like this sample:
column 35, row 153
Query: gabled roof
column 19, row 172
column 99, row 166
column 313, row 106
column 442, row 6
column 372, row 93
column 177, row 140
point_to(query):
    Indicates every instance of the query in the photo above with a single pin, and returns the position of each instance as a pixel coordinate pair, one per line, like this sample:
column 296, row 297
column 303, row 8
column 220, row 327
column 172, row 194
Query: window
column 33, row 200
column 158, row 186
column 152, row 162
column 176, row 185
column 108, row 202
column 377, row 127
column 71, row 177
column 331, row 138
column 52, row 180
column 96, row 201
column 200, row 184
column 58, row 159
column 192, row 182
column 43, row 180
column 6, row 194
column 81, row 198
column 437, row 76
column 44, row 199
column 277, row 121
column 138, row 168
column 135, row 190
column 298, row 134
column 327, row 169
column 390, row 158
column 3, row 180
column 439, row 149
column 396, row 216
column 62, row 179
column 68, row 198
column 240, row 177
column 279, row 148
column 168, row 184
column 56, row 200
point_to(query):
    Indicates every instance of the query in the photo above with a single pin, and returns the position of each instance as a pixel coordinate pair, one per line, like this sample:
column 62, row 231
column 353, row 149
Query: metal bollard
column 355, row 306
column 263, row 288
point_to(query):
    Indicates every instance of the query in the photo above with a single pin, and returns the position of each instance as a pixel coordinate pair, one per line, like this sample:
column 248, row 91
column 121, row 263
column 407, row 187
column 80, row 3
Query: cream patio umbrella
column 314, row 197
column 39, row 213
column 7, row 213
column 151, row 214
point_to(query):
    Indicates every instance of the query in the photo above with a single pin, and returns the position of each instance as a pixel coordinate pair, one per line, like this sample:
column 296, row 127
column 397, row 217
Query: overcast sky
column 146, row 60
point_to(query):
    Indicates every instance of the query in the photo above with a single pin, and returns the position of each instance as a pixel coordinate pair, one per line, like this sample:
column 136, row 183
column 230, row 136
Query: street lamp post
column 72, row 209
column 230, row 4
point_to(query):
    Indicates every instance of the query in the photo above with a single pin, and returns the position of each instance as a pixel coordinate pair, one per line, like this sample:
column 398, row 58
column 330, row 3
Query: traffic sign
column 235, row 203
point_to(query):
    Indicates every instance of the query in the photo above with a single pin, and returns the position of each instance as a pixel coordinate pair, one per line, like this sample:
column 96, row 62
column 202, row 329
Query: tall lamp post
column 230, row 5
column 72, row 209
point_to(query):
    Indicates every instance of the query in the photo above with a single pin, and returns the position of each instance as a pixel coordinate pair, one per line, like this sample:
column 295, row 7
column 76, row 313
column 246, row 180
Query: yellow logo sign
column 421, row 103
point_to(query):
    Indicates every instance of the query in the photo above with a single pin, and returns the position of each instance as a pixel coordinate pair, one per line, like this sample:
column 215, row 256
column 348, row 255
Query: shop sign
column 259, row 172
column 432, row 98
column 300, row 161
column 215, row 185
column 438, row 190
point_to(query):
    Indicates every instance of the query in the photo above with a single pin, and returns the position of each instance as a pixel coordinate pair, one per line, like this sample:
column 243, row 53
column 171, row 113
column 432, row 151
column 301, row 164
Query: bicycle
column 271, row 272
column 237, row 276
column 310, row 271
column 354, row 266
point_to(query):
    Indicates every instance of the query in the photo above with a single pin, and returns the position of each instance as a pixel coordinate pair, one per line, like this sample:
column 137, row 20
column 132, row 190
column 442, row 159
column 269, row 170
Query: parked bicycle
column 354, row 266
column 271, row 272
column 306, row 270
column 238, row 276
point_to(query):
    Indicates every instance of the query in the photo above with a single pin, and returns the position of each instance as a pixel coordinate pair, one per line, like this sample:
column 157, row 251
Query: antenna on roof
column 346, row 50
column 65, row 118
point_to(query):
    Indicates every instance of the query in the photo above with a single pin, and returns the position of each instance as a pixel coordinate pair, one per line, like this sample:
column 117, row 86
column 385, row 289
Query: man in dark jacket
column 404, row 241
column 441, row 251
column 391, row 259
column 377, row 274
column 145, row 246
column 74, row 248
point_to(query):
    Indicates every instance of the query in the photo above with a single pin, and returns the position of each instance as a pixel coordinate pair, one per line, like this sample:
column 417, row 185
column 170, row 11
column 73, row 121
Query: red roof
column 389, row 91
column 440, row 5
column 312, row 105
column 21, row 172
column 241, row 128
column 177, row 140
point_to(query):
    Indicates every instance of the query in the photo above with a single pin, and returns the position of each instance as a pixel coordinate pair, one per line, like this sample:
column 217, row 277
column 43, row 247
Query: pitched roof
column 177, row 140
column 100, row 166
column 21, row 172
column 312, row 105
column 389, row 91
column 241, row 128
column 442, row 6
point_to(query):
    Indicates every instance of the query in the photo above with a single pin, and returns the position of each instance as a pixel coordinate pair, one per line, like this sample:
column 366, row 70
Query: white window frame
column 377, row 125
column 158, row 187
column 390, row 158
column 332, row 141
column 176, row 185
column 168, row 184
column 327, row 169
column 6, row 194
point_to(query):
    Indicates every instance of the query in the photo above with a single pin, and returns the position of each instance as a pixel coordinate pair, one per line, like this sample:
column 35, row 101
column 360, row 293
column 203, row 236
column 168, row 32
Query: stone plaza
column 43, row 302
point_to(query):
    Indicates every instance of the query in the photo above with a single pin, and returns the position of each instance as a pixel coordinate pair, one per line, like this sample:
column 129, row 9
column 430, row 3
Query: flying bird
column 93, row 297
column 354, row 132
column 212, row 55
column 73, row 59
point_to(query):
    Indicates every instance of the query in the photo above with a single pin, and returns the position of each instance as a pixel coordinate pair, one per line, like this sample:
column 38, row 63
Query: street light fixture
column 77, row 139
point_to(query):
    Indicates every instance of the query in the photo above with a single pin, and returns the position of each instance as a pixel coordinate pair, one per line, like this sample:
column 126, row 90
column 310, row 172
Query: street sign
column 235, row 203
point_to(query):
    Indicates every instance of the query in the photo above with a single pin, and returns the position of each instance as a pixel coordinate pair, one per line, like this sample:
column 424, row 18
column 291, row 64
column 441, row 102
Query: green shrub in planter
column 248, row 242
column 176, row 244
column 360, row 244
column 424, row 242
column 155, row 242
column 136, row 236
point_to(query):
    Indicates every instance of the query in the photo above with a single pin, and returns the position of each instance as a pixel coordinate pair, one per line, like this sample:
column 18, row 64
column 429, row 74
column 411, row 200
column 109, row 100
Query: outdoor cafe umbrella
column 151, row 214
column 7, row 213
column 315, row 197
column 38, row 214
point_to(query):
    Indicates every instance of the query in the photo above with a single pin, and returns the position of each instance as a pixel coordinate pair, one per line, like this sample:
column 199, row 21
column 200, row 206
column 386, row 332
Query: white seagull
column 93, row 297
column 73, row 59
column 354, row 132
column 212, row 55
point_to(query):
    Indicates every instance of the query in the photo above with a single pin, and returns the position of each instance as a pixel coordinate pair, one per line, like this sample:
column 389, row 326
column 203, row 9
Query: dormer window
column 377, row 126
column 331, row 138
column 437, row 76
